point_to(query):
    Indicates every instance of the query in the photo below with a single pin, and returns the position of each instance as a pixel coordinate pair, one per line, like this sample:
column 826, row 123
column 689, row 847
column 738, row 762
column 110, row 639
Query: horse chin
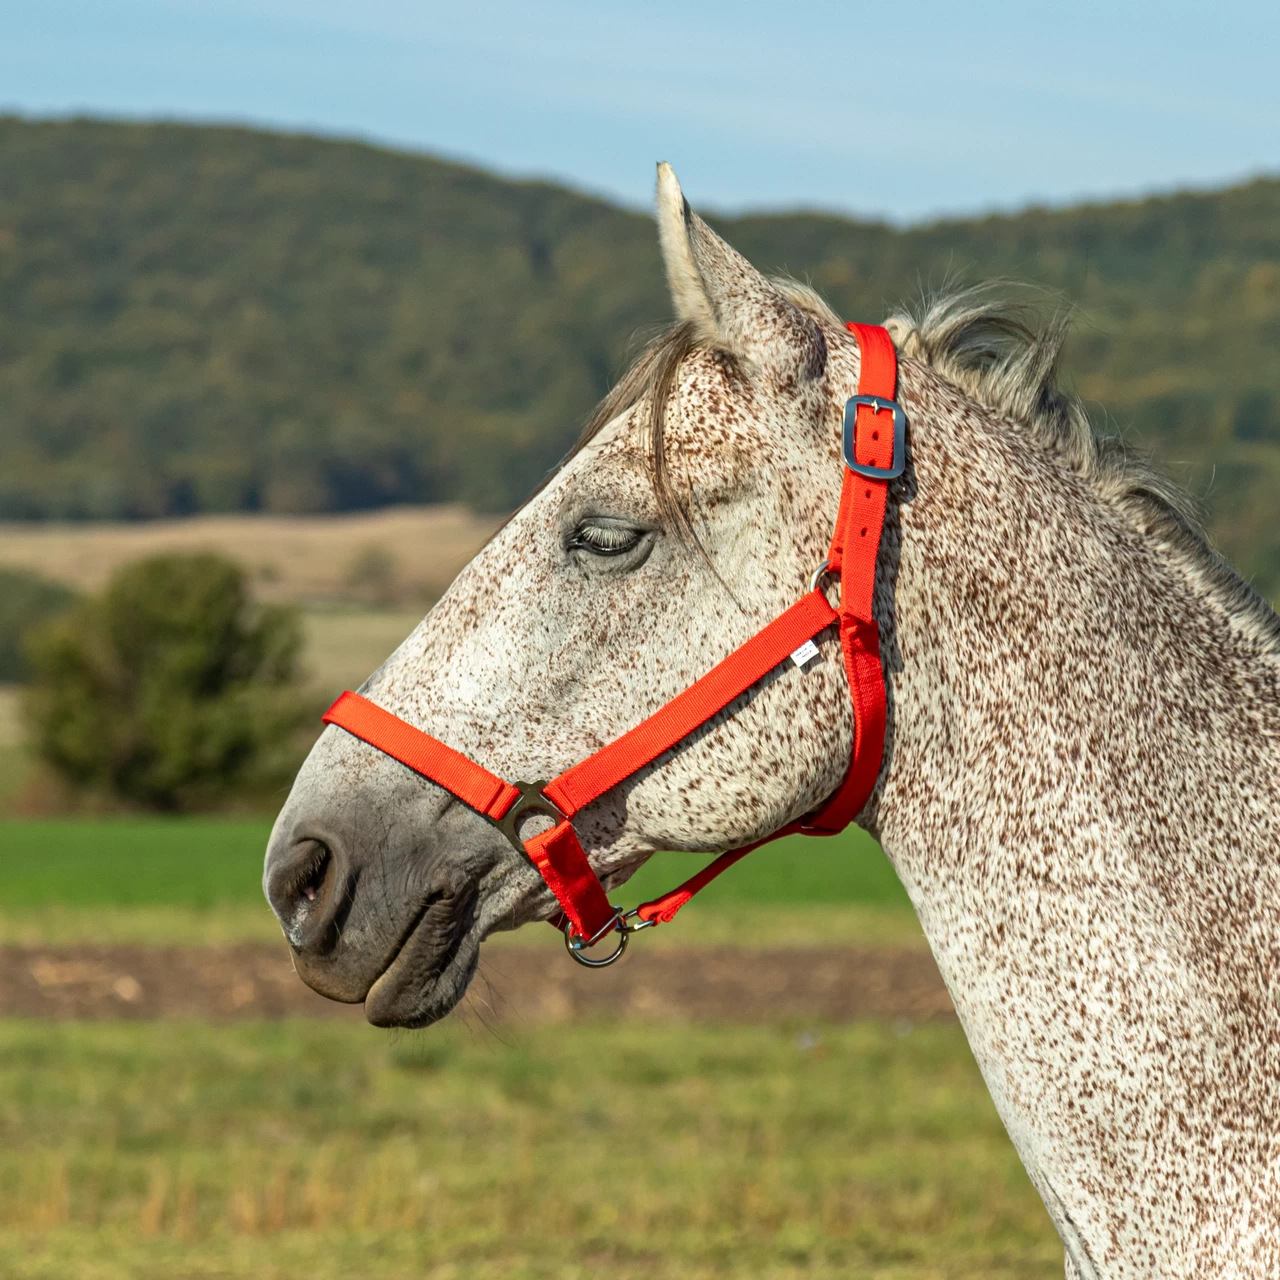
column 429, row 972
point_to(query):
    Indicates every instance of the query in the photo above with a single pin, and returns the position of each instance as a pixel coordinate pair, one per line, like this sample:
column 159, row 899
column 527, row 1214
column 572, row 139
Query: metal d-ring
column 621, row 921
column 576, row 944
column 818, row 574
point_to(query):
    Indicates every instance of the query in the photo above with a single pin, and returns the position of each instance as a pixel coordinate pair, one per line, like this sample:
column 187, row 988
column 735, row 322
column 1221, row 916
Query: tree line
column 213, row 319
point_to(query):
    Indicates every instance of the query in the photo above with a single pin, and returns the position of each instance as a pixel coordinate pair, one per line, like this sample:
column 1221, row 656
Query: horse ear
column 729, row 303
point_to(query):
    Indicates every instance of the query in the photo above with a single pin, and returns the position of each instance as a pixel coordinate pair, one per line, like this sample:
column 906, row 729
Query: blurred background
column 296, row 303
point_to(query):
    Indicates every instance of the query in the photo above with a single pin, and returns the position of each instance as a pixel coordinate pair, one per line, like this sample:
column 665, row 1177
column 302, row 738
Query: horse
column 1080, row 783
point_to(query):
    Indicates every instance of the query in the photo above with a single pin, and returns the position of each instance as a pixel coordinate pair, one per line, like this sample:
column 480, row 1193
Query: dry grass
column 10, row 721
column 403, row 554
column 318, row 1150
column 344, row 646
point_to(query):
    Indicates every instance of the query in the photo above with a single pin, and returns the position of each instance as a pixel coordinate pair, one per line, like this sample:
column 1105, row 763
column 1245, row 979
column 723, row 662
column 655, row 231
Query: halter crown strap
column 855, row 549
column 873, row 432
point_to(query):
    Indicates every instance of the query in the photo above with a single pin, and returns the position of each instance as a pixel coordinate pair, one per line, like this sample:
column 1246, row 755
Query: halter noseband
column 874, row 453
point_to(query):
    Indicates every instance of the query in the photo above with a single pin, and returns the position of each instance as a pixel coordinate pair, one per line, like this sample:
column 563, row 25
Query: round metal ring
column 818, row 574
column 575, row 945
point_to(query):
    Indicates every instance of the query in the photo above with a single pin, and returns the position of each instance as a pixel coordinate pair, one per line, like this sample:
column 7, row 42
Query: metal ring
column 576, row 943
column 818, row 574
column 530, row 800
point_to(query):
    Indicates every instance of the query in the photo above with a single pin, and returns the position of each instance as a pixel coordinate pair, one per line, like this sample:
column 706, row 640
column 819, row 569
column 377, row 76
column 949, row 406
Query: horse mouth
column 429, row 968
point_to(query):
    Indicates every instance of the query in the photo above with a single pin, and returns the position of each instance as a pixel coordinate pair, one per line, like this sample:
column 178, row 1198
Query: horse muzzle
column 380, row 911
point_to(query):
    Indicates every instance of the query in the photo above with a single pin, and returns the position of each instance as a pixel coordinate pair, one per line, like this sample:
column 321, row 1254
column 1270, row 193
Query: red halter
column 874, row 454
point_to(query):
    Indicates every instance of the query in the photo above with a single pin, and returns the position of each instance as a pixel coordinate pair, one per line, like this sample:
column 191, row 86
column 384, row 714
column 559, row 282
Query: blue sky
column 901, row 110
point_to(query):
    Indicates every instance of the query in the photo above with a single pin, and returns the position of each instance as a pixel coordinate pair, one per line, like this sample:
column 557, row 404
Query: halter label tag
column 805, row 653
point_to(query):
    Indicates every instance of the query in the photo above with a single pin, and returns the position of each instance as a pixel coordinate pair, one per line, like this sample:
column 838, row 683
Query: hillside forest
column 207, row 319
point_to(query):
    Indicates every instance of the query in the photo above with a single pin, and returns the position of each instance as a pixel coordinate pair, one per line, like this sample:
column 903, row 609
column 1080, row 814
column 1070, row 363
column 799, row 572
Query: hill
column 200, row 319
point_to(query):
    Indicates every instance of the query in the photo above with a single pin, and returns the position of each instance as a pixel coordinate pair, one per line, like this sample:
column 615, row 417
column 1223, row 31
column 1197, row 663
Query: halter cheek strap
column 873, row 446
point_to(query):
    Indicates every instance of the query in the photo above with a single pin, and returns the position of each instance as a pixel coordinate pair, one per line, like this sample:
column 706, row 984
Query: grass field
column 197, row 880
column 320, row 1150
column 343, row 646
column 303, row 1150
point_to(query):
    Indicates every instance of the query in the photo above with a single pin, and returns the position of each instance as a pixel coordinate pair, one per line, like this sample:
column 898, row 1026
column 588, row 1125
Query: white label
column 805, row 653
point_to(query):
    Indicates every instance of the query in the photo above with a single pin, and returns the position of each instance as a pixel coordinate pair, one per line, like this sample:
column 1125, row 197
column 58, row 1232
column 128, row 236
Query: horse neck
column 1083, row 800
column 1075, row 715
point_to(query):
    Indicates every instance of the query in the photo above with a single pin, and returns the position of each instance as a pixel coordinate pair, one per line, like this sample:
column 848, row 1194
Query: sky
column 902, row 111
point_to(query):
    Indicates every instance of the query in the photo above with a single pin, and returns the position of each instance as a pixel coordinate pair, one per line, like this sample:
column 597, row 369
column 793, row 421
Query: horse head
column 694, row 510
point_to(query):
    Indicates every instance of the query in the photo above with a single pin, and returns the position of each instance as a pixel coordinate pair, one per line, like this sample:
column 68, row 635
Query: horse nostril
column 302, row 887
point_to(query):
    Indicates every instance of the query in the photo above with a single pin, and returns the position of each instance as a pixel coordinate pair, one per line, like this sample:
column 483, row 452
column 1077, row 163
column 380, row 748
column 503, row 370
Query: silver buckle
column 878, row 404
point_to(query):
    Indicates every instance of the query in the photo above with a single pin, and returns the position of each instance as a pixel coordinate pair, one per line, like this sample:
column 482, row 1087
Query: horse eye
column 604, row 539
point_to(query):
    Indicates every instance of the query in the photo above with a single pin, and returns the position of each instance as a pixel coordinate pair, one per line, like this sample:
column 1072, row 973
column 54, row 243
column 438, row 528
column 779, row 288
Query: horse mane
column 1003, row 354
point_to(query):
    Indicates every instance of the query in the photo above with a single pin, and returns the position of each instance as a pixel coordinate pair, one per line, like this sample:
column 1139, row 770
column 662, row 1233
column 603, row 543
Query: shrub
column 171, row 689
column 26, row 600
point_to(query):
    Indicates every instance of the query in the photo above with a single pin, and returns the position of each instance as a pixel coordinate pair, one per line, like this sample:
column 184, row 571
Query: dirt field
column 523, row 985
column 403, row 555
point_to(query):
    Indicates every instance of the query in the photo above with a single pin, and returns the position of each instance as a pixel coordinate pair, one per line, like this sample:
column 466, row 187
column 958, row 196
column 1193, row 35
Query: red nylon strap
column 663, row 909
column 556, row 853
column 471, row 783
column 577, row 787
column 854, row 553
column 564, row 866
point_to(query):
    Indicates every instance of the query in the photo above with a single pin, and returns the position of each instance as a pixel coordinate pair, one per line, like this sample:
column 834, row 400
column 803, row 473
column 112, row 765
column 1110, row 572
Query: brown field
column 343, row 646
column 525, row 983
column 400, row 556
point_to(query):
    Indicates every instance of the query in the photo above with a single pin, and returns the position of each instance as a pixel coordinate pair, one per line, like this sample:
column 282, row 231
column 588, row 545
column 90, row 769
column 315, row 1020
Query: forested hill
column 197, row 318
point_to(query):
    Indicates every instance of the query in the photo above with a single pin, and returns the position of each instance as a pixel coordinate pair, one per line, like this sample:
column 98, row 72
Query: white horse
column 1081, row 781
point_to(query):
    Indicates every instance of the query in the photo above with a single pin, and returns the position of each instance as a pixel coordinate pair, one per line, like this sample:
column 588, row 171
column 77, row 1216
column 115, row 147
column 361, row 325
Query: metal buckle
column 531, row 800
column 878, row 404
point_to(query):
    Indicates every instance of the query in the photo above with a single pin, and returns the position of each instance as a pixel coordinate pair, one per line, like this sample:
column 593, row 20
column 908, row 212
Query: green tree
column 171, row 690
column 26, row 600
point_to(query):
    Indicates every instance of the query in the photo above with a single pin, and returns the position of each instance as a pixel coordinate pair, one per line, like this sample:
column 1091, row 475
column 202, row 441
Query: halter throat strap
column 873, row 441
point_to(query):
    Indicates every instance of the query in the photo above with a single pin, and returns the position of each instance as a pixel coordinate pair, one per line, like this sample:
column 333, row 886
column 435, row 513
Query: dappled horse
column 1080, row 783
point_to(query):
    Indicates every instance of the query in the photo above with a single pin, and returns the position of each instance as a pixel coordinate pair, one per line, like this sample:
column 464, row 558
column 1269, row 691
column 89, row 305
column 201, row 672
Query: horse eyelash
column 604, row 540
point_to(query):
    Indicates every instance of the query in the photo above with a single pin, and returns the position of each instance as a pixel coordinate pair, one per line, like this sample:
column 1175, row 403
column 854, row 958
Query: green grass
column 698, row 925
column 198, row 880
column 325, row 1150
column 131, row 862
column 199, row 862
